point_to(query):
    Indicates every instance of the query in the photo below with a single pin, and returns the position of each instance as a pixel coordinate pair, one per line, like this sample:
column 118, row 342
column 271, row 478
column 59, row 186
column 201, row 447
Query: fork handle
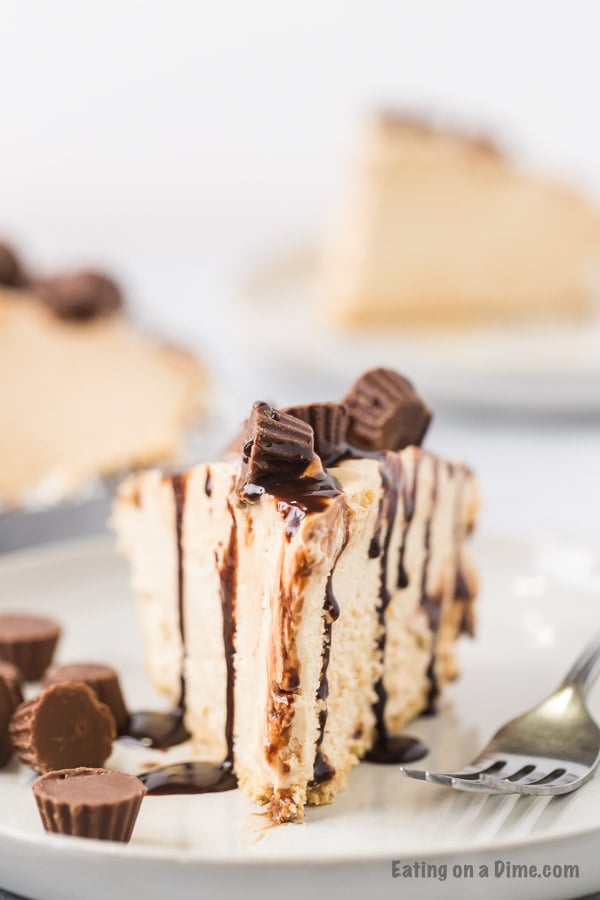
column 586, row 667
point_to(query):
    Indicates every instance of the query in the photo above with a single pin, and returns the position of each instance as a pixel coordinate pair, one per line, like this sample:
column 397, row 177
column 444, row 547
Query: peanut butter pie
column 84, row 393
column 443, row 229
column 300, row 600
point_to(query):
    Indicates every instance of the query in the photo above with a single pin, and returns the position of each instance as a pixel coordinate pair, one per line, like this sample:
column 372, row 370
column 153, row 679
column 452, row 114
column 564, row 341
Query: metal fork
column 553, row 748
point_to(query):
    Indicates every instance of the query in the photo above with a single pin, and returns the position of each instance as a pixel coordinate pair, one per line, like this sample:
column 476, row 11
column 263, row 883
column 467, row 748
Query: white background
column 182, row 141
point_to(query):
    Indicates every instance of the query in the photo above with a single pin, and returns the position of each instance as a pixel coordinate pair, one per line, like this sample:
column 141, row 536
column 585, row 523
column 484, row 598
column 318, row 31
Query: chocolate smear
column 386, row 413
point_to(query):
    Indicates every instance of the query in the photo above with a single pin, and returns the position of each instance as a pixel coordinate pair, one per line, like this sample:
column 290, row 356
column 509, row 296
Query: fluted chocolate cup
column 329, row 422
column 10, row 697
column 28, row 642
column 13, row 677
column 64, row 727
column 103, row 680
column 89, row 803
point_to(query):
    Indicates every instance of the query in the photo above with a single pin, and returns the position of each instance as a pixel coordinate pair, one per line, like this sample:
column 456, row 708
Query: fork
column 553, row 748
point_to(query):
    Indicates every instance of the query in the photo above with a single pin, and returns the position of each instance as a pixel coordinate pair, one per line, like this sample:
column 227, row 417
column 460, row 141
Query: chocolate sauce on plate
column 396, row 750
column 158, row 730
column 190, row 778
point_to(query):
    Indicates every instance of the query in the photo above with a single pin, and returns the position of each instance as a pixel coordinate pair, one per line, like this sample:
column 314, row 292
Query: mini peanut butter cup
column 11, row 270
column 64, row 727
column 80, row 295
column 13, row 676
column 386, row 413
column 329, row 422
column 89, row 803
column 103, row 680
column 28, row 642
column 277, row 447
column 10, row 698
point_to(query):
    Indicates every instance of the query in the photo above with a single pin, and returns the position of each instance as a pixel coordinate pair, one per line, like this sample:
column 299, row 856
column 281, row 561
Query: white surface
column 539, row 604
column 157, row 126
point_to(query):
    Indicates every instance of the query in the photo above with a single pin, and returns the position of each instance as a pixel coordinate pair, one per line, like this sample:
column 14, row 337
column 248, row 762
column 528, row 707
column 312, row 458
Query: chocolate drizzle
column 464, row 596
column 208, row 482
column 322, row 770
column 162, row 730
column 299, row 498
column 431, row 605
column 228, row 576
column 409, row 497
column 179, row 482
column 463, row 593
column 391, row 749
column 157, row 729
column 389, row 468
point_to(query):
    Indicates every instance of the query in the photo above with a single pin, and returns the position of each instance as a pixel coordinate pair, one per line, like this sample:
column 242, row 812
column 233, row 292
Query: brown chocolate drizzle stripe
column 280, row 705
column 322, row 770
column 208, row 485
column 179, row 483
column 431, row 605
column 391, row 474
column 391, row 749
column 228, row 578
column 462, row 590
column 409, row 498
column 179, row 492
column 158, row 729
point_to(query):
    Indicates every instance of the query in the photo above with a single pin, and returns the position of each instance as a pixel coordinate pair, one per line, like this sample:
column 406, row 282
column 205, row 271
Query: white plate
column 532, row 368
column 538, row 606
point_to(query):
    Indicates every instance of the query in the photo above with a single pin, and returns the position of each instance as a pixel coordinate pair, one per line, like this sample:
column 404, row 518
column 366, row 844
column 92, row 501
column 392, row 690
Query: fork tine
column 462, row 781
column 457, row 782
column 536, row 779
column 419, row 774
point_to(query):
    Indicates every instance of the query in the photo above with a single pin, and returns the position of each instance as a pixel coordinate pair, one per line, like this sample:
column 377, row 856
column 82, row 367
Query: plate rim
column 60, row 552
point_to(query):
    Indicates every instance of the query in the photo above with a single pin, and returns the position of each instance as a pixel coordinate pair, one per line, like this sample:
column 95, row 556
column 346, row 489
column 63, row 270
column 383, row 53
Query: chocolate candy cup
column 64, row 727
column 103, row 680
column 28, row 642
column 329, row 422
column 80, row 295
column 13, row 676
column 90, row 803
column 11, row 270
column 277, row 448
column 386, row 413
column 10, row 697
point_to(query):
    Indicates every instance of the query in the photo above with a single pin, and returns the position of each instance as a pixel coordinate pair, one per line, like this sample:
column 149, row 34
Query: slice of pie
column 84, row 392
column 443, row 229
column 302, row 600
